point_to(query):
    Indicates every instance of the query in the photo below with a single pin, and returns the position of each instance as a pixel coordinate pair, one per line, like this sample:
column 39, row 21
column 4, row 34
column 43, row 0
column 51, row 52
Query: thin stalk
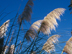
column 62, row 51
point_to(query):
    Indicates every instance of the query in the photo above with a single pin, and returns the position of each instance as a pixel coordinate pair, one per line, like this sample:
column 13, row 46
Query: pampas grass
column 32, row 32
column 68, row 46
column 26, row 14
column 3, row 28
column 50, row 22
column 49, row 46
column 11, row 49
column 46, row 25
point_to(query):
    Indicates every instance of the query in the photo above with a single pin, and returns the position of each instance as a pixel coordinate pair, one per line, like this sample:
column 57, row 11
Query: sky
column 40, row 9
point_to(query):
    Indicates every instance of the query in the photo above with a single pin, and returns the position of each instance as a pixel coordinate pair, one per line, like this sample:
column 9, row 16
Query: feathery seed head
column 3, row 28
column 68, row 46
column 26, row 14
column 32, row 32
column 49, row 46
column 45, row 26
column 50, row 22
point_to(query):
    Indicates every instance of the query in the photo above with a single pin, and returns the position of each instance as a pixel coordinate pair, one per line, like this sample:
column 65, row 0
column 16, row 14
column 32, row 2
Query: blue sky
column 40, row 9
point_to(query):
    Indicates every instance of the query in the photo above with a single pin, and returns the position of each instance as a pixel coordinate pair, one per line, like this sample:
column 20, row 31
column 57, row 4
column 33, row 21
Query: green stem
column 62, row 51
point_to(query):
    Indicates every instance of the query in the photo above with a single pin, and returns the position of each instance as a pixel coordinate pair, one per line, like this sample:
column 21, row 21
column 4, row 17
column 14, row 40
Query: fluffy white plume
column 3, row 28
column 49, row 46
column 45, row 25
column 32, row 32
column 36, row 25
column 68, row 46
column 50, row 22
